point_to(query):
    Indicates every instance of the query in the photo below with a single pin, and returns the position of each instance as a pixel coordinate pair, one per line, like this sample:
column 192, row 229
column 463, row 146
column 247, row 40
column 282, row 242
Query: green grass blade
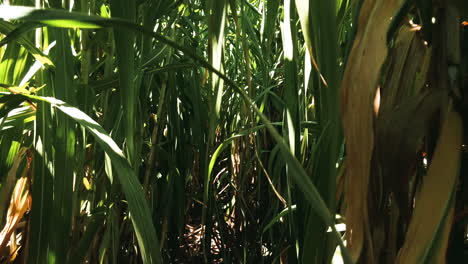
column 271, row 17
column 291, row 107
column 64, row 144
column 318, row 22
column 13, row 33
column 216, row 30
column 124, row 41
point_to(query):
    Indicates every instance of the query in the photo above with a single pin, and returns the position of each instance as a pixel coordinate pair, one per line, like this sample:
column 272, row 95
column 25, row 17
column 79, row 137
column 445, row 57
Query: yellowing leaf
column 86, row 184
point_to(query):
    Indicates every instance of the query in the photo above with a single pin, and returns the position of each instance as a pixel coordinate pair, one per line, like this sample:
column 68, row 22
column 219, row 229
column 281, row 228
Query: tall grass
column 183, row 131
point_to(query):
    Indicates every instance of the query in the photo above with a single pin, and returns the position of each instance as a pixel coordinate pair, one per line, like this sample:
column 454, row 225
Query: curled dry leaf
column 359, row 85
column 20, row 203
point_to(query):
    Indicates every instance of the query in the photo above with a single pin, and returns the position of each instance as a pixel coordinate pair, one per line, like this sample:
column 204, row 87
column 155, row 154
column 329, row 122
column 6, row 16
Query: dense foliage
column 214, row 131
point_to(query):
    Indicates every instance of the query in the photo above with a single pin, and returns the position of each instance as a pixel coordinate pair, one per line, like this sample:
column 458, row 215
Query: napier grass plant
column 233, row 131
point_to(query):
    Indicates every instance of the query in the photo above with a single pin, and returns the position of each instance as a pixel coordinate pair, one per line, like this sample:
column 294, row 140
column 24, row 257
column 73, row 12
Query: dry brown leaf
column 20, row 203
column 359, row 85
column 434, row 198
column 9, row 183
